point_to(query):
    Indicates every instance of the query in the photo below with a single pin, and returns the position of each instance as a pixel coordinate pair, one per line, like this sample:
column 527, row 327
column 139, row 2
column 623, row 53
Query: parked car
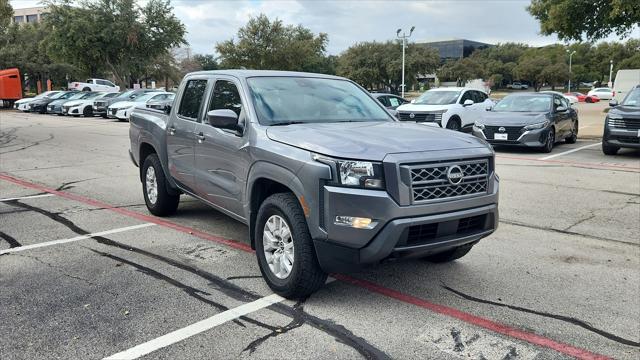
column 602, row 93
column 84, row 105
column 100, row 106
column 56, row 106
column 122, row 110
column 572, row 99
column 390, row 101
column 583, row 97
column 626, row 79
column 161, row 102
column 451, row 108
column 517, row 86
column 23, row 104
column 40, row 105
column 531, row 120
column 95, row 85
column 622, row 124
column 299, row 158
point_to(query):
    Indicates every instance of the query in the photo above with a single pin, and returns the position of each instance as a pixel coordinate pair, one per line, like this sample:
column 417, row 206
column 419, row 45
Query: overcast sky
column 347, row 22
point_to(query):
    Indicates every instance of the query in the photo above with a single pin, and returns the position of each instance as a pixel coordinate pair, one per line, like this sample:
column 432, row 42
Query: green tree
column 591, row 19
column 115, row 36
column 206, row 62
column 531, row 68
column 462, row 70
column 266, row 44
column 6, row 12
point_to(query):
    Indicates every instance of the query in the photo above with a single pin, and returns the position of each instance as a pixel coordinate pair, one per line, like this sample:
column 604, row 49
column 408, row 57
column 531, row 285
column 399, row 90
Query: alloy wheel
column 278, row 246
column 152, row 185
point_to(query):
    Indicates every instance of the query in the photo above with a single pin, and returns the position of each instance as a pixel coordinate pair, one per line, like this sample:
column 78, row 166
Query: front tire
column 154, row 187
column 551, row 140
column 450, row 255
column 609, row 150
column 87, row 112
column 285, row 251
column 574, row 134
column 454, row 124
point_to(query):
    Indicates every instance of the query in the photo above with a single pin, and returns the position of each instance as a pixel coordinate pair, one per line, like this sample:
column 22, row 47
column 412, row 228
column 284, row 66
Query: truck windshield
column 287, row 100
column 438, row 97
column 524, row 104
column 633, row 98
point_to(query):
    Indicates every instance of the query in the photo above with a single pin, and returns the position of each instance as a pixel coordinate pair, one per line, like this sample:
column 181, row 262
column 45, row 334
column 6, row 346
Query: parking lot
column 86, row 272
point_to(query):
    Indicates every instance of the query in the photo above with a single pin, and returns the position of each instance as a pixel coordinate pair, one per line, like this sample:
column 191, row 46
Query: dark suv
column 622, row 125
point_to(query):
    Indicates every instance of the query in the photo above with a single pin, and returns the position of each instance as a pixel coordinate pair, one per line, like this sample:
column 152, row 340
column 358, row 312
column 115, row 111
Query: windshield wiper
column 284, row 123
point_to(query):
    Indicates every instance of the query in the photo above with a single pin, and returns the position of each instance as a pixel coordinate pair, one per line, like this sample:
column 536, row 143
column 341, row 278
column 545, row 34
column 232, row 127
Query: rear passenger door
column 222, row 156
column 181, row 132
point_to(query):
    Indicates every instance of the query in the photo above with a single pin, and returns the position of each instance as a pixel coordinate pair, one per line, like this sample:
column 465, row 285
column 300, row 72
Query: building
column 29, row 15
column 456, row 48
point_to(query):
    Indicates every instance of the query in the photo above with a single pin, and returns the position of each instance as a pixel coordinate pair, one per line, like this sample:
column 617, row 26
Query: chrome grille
column 421, row 117
column 631, row 124
column 513, row 132
column 430, row 182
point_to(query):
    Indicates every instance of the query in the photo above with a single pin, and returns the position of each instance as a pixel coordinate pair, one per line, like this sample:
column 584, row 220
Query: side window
column 384, row 100
column 89, row 81
column 109, row 83
column 192, row 99
column 226, row 96
column 556, row 102
column 467, row 96
column 394, row 101
column 564, row 102
column 480, row 96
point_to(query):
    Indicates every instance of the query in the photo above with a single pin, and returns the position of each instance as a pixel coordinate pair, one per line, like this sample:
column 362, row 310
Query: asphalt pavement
column 86, row 272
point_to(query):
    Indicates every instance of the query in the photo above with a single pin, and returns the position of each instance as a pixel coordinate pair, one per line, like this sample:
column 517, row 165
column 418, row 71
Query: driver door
column 222, row 156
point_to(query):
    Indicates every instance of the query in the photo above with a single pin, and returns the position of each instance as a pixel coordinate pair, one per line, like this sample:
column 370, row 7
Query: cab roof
column 243, row 74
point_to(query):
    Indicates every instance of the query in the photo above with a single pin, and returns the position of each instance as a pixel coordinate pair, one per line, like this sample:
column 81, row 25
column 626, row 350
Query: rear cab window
column 191, row 101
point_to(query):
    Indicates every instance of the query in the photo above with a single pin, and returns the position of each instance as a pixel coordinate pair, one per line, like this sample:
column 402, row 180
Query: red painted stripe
column 592, row 165
column 437, row 308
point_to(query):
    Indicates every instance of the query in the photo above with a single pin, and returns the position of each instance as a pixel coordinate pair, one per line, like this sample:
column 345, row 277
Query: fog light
column 355, row 222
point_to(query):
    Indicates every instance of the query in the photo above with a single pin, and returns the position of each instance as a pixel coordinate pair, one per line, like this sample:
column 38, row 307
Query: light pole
column 404, row 38
column 610, row 72
column 570, row 55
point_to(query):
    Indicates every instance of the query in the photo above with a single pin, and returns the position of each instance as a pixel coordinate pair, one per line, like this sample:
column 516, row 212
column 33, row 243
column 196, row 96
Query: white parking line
column 194, row 329
column 26, row 197
column 81, row 237
column 569, row 152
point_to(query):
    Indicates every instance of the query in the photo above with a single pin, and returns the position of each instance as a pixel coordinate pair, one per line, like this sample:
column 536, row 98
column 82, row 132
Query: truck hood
column 370, row 140
column 422, row 108
column 495, row 118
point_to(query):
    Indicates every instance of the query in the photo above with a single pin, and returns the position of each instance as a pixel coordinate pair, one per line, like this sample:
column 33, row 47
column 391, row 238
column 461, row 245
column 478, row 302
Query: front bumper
column 624, row 138
column 400, row 231
column 52, row 109
column 120, row 114
column 528, row 138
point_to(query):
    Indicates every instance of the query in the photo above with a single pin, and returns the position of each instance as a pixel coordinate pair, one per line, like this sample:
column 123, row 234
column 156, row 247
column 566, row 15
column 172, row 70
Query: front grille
column 422, row 233
column 114, row 111
column 421, row 117
column 99, row 103
column 513, row 132
column 631, row 124
column 629, row 140
column 471, row 224
column 430, row 182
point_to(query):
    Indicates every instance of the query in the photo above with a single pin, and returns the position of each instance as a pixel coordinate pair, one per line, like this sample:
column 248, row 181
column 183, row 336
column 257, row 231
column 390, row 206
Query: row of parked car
column 534, row 119
column 115, row 105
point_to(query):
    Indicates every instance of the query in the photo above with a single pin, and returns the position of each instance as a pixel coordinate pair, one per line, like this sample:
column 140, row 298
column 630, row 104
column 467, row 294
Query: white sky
column 347, row 22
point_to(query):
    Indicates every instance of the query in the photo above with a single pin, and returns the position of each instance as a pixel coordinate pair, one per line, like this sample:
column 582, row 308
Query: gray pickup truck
column 324, row 176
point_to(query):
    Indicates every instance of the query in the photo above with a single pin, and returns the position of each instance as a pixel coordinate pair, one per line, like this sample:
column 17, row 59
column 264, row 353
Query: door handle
column 172, row 130
column 200, row 137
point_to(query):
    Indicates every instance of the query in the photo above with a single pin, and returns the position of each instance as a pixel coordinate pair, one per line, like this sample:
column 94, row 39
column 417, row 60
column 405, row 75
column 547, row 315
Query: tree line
column 131, row 43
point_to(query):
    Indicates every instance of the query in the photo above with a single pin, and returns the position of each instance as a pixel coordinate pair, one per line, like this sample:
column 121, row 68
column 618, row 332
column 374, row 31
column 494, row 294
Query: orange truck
column 10, row 86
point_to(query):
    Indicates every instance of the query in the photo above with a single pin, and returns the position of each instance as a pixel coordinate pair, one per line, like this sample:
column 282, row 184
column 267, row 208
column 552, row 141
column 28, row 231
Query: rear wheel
column 159, row 201
column 450, row 255
column 454, row 124
column 588, row 100
column 86, row 89
column 609, row 150
column 574, row 133
column 284, row 248
column 87, row 111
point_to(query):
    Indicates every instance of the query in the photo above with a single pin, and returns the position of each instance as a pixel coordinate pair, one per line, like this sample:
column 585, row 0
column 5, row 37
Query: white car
column 85, row 106
column 603, row 93
column 517, row 86
column 452, row 108
column 23, row 104
column 94, row 85
column 122, row 109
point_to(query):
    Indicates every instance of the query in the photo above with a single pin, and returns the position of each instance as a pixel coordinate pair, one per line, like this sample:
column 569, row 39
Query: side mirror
column 223, row 119
column 561, row 109
column 613, row 102
column 413, row 101
column 167, row 109
column 468, row 102
column 488, row 108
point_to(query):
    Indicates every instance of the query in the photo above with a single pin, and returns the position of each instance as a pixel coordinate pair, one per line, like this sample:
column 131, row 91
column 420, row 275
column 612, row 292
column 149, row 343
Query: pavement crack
column 567, row 319
column 36, row 143
column 244, row 277
column 579, row 222
column 13, row 243
column 296, row 322
column 66, row 185
column 565, row 232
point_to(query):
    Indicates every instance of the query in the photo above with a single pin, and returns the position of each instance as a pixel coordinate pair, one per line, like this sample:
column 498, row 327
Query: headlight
column 478, row 125
column 364, row 174
column 541, row 125
column 615, row 116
